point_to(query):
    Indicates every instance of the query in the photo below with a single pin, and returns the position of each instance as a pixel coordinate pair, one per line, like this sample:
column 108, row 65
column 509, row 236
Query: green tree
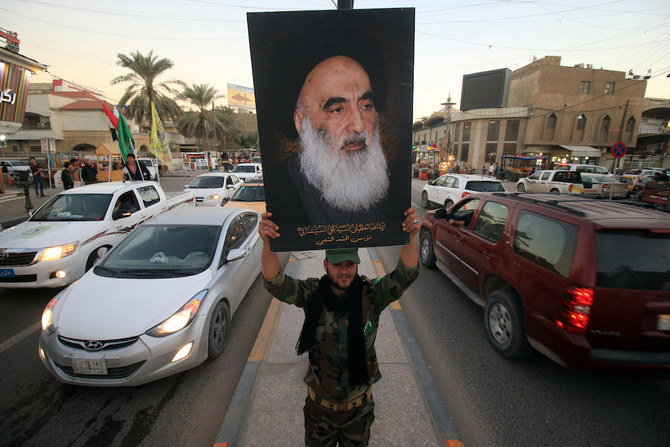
column 231, row 127
column 144, row 87
column 206, row 122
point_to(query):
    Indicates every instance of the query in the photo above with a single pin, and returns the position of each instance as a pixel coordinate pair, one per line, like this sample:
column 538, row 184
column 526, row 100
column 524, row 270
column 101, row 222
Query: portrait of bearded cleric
column 334, row 100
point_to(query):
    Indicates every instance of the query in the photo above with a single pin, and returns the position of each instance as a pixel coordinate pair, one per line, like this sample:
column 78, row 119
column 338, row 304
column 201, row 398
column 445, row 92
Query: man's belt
column 340, row 406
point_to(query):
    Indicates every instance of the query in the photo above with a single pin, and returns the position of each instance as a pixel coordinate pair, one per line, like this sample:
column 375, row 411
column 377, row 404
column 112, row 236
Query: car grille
column 112, row 373
column 11, row 258
column 102, row 345
column 18, row 278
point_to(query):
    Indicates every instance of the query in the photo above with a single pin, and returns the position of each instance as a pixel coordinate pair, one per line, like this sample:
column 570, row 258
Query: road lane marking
column 267, row 331
column 5, row 345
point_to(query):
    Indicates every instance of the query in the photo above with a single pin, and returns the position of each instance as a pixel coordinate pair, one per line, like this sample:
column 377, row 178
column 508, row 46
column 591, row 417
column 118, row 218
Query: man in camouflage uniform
column 341, row 319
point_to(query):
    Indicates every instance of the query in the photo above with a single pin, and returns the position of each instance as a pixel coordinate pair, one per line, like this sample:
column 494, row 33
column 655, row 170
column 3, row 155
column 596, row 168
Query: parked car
column 450, row 188
column 158, row 304
column 214, row 188
column 647, row 172
column 63, row 238
column 251, row 195
column 585, row 282
column 601, row 186
column 582, row 168
column 553, row 181
column 247, row 171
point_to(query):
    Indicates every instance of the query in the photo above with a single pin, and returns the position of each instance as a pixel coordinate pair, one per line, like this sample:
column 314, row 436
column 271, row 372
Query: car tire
column 93, row 258
column 448, row 204
column 520, row 187
column 503, row 319
column 426, row 251
column 425, row 203
column 555, row 191
column 219, row 330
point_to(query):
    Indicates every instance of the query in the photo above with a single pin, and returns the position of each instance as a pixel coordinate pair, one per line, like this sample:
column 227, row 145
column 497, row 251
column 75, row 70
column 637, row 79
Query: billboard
column 14, row 81
column 487, row 89
column 241, row 97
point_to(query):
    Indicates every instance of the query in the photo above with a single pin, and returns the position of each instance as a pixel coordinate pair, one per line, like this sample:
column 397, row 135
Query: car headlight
column 180, row 319
column 47, row 321
column 58, row 252
column 212, row 197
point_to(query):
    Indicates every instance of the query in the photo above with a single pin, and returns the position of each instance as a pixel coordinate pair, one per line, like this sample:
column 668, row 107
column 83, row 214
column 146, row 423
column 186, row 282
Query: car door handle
column 487, row 254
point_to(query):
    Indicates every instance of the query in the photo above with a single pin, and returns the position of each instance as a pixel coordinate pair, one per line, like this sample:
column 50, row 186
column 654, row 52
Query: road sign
column 619, row 150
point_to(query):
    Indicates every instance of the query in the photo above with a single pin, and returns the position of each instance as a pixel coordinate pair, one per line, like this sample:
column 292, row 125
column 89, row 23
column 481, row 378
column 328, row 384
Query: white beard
column 348, row 180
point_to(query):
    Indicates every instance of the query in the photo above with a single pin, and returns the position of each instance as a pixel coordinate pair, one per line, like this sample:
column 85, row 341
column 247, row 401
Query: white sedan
column 214, row 188
column 158, row 304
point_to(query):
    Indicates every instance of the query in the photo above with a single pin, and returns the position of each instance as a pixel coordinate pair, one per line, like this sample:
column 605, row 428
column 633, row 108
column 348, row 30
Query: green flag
column 126, row 142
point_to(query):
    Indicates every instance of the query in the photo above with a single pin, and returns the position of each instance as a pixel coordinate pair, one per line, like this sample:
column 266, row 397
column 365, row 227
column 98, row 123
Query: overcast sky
column 207, row 39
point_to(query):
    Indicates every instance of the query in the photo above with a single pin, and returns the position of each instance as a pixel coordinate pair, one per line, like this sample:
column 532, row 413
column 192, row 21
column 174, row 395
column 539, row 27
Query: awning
column 583, row 151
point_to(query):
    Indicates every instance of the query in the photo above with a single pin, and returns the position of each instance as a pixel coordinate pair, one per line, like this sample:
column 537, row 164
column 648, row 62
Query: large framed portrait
column 334, row 101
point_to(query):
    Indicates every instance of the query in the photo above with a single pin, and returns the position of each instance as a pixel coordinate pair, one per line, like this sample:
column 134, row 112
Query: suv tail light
column 575, row 310
column 464, row 194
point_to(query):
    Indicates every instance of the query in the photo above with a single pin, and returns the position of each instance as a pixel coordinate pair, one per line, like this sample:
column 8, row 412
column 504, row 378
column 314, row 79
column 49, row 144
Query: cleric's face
column 337, row 99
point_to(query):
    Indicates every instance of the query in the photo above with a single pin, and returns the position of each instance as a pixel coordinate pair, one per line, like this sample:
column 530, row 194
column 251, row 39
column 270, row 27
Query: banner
column 241, row 97
column 160, row 146
column 14, row 82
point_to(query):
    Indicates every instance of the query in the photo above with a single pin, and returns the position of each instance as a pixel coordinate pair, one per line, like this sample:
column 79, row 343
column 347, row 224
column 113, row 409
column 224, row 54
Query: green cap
column 339, row 255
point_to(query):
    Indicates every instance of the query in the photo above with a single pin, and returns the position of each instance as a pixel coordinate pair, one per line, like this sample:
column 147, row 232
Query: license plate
column 663, row 323
column 7, row 273
column 90, row 367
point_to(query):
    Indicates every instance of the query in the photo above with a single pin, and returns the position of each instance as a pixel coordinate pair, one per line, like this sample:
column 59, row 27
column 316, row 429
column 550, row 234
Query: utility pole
column 345, row 4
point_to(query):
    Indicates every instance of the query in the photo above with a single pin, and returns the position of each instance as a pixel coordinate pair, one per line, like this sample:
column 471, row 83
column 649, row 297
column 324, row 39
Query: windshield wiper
column 112, row 272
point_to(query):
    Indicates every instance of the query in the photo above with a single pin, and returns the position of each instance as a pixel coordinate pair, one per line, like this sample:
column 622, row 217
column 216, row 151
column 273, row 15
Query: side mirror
column 235, row 254
column 230, row 186
column 185, row 186
column 102, row 251
column 441, row 213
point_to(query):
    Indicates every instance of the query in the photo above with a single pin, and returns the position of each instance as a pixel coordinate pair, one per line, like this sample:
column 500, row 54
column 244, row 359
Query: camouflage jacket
column 327, row 374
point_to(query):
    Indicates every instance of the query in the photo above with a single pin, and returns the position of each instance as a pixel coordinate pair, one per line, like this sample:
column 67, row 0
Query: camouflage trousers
column 327, row 428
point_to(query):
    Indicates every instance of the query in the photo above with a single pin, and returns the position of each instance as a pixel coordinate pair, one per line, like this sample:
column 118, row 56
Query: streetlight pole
column 345, row 4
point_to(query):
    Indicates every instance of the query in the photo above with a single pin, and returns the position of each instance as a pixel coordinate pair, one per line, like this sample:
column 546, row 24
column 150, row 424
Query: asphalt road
column 493, row 401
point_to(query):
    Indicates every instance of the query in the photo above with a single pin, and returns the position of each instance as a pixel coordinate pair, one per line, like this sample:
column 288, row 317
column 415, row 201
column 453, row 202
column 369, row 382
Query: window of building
column 509, row 148
column 466, row 132
column 457, row 133
column 493, row 130
column 585, row 88
column 512, row 130
column 491, row 152
column 550, row 128
column 465, row 148
column 609, row 88
column 35, row 148
column 605, row 129
column 580, row 126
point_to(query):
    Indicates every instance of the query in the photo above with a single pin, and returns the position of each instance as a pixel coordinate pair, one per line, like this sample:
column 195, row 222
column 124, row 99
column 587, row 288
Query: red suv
column 585, row 282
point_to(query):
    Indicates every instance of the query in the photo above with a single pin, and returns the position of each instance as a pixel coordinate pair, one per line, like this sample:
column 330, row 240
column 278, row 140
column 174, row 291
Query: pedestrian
column 89, row 173
column 664, row 176
column 497, row 171
column 342, row 312
column 37, row 177
column 135, row 170
column 484, row 170
column 67, row 176
column 491, row 169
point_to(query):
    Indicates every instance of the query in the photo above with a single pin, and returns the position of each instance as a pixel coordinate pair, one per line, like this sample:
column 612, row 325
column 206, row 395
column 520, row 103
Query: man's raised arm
column 412, row 224
column 269, row 261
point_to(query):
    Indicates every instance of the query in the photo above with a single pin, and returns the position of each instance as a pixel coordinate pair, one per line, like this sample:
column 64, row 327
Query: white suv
column 583, row 168
column 450, row 188
column 247, row 171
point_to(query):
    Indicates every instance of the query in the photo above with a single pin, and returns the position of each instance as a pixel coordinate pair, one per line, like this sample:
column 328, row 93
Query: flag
column 120, row 132
column 159, row 142
column 126, row 141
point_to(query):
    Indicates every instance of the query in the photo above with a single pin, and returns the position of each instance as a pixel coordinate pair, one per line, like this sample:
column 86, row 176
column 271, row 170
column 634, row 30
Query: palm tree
column 143, row 88
column 231, row 126
column 203, row 123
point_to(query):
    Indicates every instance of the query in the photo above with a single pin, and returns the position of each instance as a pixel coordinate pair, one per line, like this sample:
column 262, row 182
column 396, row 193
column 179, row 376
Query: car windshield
column 248, row 193
column 74, row 207
column 633, row 260
column 482, row 186
column 162, row 251
column 207, row 182
column 246, row 168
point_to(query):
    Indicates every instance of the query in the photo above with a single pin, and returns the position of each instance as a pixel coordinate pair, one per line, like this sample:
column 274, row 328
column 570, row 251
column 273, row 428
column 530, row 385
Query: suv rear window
column 568, row 177
column 637, row 260
column 479, row 186
column 550, row 243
